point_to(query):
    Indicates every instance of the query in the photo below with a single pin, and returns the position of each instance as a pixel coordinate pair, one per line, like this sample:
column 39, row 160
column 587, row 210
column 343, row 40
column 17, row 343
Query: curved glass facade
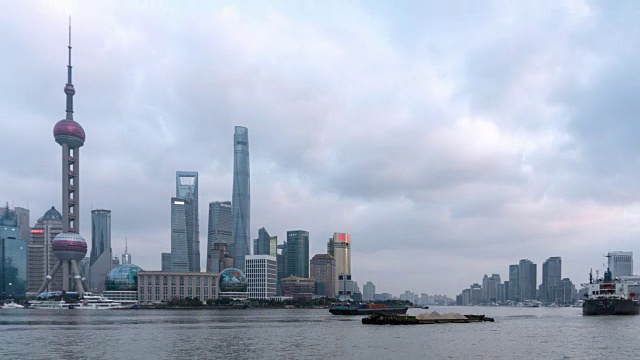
column 123, row 278
column 233, row 280
column 240, row 202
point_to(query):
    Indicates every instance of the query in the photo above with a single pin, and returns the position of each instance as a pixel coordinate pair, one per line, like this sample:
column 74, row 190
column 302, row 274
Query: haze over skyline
column 449, row 140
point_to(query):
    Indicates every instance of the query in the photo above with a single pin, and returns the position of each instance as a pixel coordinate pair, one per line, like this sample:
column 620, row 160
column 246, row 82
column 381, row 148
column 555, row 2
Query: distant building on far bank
column 166, row 262
column 297, row 287
column 620, row 263
column 323, row 271
column 368, row 291
column 261, row 272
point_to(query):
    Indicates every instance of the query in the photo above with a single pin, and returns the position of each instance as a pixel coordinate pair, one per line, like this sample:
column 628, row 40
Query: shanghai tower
column 241, row 199
column 69, row 246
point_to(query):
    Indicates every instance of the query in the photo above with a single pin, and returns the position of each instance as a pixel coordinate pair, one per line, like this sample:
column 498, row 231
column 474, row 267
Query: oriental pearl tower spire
column 69, row 247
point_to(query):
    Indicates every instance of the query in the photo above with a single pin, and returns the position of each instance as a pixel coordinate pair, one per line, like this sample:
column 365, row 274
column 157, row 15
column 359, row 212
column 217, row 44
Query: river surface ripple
column 517, row 333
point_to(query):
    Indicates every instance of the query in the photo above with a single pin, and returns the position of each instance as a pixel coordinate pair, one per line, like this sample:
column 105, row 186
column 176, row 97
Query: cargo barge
column 366, row 309
column 384, row 319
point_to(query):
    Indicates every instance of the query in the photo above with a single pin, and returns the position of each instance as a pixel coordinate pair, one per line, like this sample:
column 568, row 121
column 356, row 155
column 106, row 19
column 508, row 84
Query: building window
column 164, row 280
column 181, row 280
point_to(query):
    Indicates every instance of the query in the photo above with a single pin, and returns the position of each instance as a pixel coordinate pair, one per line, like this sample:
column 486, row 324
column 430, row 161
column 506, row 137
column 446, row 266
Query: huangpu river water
column 517, row 333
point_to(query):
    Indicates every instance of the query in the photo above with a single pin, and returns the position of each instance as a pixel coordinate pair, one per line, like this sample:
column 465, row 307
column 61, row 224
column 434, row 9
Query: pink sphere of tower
column 69, row 246
column 69, row 132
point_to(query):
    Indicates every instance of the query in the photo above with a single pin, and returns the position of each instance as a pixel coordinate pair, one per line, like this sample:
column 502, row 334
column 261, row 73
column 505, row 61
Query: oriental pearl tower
column 69, row 246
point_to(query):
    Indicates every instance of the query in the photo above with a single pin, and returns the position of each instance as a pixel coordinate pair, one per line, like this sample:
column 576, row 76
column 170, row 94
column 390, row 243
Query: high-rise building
column 13, row 258
column 187, row 188
column 181, row 232
column 261, row 272
column 22, row 216
column 100, row 260
column 527, row 279
column 126, row 257
column 514, row 283
column 567, row 293
column 298, row 253
column 219, row 258
column 551, row 277
column 265, row 244
column 69, row 246
column 368, row 291
column 166, row 262
column 40, row 258
column 282, row 264
column 323, row 271
column 241, row 199
column 620, row 263
column 339, row 246
column 220, row 231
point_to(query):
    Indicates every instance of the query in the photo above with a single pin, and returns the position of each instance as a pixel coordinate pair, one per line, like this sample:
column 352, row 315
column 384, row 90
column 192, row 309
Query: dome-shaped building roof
column 69, row 132
column 52, row 214
column 233, row 280
column 123, row 278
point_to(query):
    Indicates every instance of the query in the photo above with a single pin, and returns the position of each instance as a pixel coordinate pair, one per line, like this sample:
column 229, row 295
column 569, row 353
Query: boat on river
column 97, row 302
column 366, row 309
column 11, row 305
column 608, row 296
column 50, row 304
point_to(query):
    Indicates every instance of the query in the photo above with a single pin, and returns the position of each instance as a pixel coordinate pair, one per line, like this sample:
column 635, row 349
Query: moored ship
column 366, row 309
column 608, row 296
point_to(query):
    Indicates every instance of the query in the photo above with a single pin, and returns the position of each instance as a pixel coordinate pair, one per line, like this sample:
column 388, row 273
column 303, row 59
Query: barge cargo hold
column 382, row 319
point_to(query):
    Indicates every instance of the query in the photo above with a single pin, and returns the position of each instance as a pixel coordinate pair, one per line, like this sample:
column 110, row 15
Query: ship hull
column 610, row 307
column 390, row 310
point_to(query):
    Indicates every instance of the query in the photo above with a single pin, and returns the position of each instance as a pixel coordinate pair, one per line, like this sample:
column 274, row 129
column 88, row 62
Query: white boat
column 50, row 304
column 12, row 305
column 97, row 302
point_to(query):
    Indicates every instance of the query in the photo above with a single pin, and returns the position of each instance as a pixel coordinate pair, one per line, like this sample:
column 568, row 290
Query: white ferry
column 97, row 302
column 50, row 304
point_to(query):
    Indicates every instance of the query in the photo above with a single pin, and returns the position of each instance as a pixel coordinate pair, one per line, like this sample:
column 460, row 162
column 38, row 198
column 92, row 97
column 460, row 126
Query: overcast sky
column 449, row 140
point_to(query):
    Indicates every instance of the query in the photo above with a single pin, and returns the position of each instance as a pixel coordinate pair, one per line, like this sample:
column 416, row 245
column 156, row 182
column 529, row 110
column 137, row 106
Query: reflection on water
column 523, row 333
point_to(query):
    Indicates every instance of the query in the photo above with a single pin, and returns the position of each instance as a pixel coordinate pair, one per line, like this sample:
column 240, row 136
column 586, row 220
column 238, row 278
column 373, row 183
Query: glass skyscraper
column 100, row 260
column 527, row 279
column 241, row 203
column 187, row 188
column 551, row 277
column 181, row 232
column 13, row 258
column 220, row 230
column 298, row 253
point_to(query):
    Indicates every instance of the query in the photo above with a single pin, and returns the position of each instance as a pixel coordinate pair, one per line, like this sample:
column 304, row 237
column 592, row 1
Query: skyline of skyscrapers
column 187, row 189
column 241, row 197
column 100, row 260
column 298, row 253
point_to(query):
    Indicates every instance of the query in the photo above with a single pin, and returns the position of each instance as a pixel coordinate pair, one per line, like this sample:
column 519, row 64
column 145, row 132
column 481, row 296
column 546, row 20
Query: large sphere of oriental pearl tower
column 69, row 246
column 69, row 132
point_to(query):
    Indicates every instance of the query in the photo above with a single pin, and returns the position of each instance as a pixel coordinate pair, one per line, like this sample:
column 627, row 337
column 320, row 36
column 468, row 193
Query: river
column 517, row 333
